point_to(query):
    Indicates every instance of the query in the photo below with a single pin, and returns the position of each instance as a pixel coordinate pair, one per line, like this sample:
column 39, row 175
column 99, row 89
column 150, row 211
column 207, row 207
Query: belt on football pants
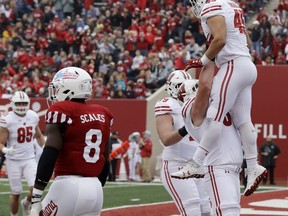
column 233, row 168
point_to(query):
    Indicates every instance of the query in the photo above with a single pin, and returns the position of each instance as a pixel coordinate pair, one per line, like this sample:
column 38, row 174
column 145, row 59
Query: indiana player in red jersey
column 76, row 149
column 224, row 27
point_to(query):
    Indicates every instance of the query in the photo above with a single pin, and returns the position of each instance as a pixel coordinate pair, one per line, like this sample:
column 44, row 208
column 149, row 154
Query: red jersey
column 84, row 139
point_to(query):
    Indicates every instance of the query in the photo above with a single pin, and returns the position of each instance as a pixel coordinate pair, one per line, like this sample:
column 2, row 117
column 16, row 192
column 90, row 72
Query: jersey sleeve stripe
column 213, row 8
column 163, row 110
column 57, row 118
column 157, row 107
column 186, row 105
column 48, row 117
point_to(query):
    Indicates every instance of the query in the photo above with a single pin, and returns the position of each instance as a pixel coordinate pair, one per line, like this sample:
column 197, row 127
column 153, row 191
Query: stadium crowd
column 129, row 47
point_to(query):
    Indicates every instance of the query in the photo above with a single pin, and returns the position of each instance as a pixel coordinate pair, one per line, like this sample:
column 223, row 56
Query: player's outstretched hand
column 9, row 151
column 193, row 63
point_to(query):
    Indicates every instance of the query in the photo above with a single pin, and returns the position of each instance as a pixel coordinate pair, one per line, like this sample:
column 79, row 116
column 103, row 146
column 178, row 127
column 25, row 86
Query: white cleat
column 25, row 209
column 190, row 170
column 254, row 177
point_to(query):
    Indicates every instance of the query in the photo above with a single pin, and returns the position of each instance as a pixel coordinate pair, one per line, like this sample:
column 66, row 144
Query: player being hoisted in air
column 224, row 27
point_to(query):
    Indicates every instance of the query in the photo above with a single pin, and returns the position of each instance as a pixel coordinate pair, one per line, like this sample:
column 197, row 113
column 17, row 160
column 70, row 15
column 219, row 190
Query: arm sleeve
column 104, row 173
column 46, row 166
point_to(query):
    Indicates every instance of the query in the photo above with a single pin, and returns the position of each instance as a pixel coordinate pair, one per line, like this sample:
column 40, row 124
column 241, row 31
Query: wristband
column 182, row 131
column 204, row 60
column 36, row 195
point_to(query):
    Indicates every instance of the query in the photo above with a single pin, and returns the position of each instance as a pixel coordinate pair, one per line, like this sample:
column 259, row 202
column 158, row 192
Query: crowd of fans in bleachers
column 129, row 47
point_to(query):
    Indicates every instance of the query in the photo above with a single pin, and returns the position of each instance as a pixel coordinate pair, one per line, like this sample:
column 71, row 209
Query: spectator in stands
column 264, row 23
column 136, row 62
column 280, row 58
column 130, row 90
column 276, row 27
column 286, row 51
column 140, row 89
column 59, row 36
column 193, row 48
column 267, row 41
column 268, row 60
column 256, row 37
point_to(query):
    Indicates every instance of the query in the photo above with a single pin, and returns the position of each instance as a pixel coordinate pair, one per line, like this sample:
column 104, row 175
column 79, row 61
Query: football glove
column 9, row 151
column 193, row 63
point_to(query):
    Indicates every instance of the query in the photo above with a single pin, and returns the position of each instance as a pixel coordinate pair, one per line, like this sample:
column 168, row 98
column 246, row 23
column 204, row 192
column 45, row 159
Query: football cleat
column 190, row 170
column 254, row 177
column 25, row 208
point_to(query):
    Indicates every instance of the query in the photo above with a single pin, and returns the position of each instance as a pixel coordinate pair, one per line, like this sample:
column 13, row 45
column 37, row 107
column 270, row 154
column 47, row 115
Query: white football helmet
column 187, row 90
column 197, row 6
column 174, row 80
column 20, row 102
column 70, row 83
column 134, row 137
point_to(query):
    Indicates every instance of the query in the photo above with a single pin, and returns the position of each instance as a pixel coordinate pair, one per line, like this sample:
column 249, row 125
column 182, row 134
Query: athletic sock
column 249, row 141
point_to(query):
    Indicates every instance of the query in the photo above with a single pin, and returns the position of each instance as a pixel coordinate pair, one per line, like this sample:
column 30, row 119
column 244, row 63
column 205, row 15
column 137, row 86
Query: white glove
column 9, row 151
column 35, row 209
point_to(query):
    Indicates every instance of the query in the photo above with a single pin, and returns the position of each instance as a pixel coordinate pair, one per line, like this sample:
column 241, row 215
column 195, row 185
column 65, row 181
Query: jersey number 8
column 91, row 144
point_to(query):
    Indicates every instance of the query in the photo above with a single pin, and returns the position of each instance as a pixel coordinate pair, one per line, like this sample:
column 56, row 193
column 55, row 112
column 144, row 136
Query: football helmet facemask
column 187, row 90
column 20, row 102
column 174, row 80
column 70, row 83
column 197, row 6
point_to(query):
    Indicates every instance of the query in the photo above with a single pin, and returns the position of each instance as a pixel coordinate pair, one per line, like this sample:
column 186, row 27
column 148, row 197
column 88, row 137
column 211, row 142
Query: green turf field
column 115, row 194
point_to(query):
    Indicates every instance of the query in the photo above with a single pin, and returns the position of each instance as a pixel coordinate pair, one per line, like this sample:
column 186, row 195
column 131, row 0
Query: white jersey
column 227, row 150
column 184, row 149
column 236, row 41
column 134, row 152
column 21, row 133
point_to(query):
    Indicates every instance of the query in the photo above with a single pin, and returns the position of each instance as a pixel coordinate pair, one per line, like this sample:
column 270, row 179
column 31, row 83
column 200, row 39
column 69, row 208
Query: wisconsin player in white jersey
column 224, row 27
column 18, row 128
column 189, row 195
column 223, row 163
column 76, row 149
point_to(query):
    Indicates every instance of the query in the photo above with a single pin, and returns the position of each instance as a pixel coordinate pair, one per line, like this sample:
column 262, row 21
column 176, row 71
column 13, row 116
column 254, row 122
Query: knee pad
column 16, row 186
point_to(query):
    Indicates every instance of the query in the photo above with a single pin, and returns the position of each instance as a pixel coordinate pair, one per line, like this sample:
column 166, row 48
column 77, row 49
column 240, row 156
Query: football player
column 17, row 130
column 223, row 163
column 224, row 27
column 77, row 149
column 189, row 195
